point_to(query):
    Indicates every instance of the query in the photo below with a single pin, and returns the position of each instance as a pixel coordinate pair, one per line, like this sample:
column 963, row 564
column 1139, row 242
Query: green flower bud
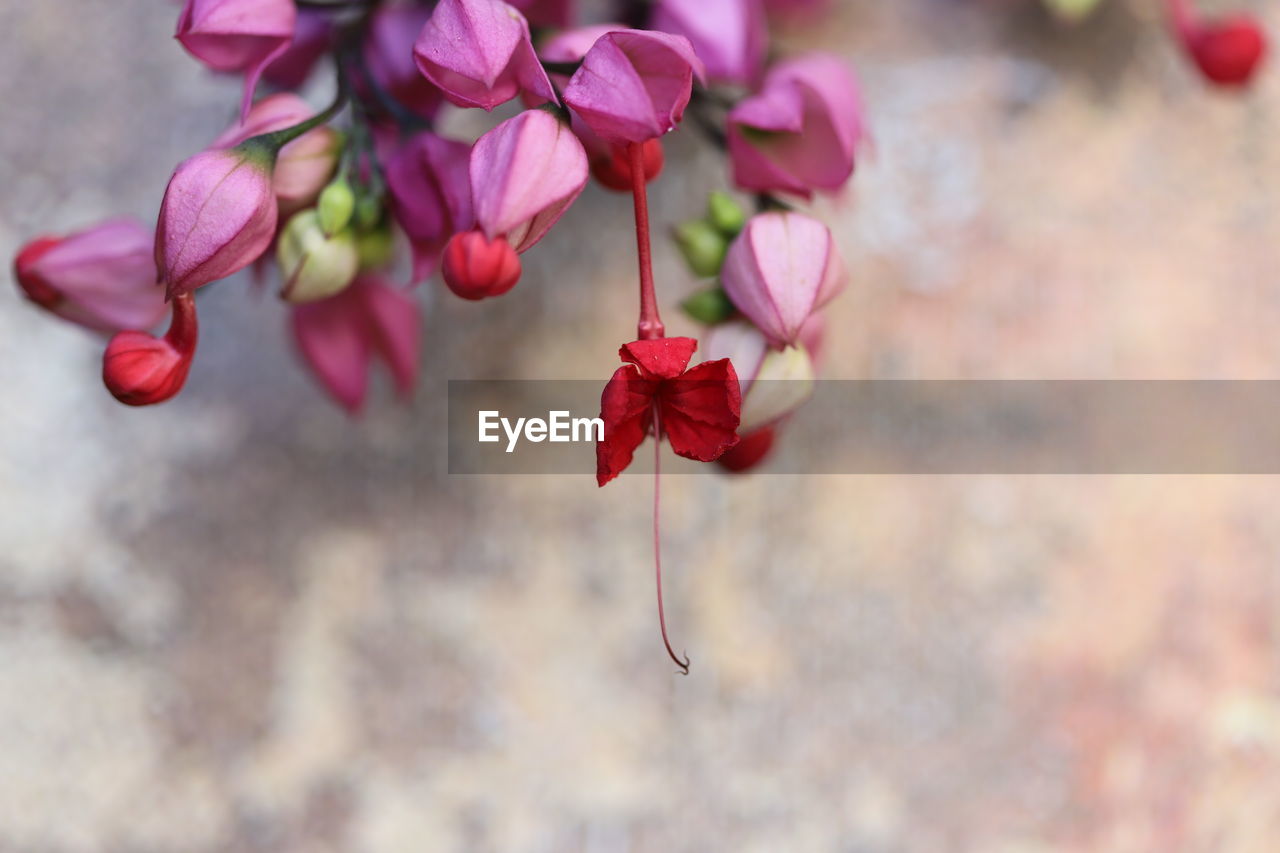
column 336, row 207
column 376, row 248
column 703, row 247
column 1071, row 11
column 710, row 306
column 368, row 211
column 313, row 265
column 725, row 214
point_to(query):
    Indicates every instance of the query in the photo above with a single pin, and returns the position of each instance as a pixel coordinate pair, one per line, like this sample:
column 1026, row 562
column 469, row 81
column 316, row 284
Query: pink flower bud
column 218, row 216
column 781, row 268
column 388, row 54
column 339, row 337
column 312, row 39
column 237, row 35
column 140, row 369
column 728, row 35
column 524, row 175
column 634, row 85
column 801, row 132
column 477, row 268
column 479, row 53
column 102, row 277
column 303, row 166
column 430, row 195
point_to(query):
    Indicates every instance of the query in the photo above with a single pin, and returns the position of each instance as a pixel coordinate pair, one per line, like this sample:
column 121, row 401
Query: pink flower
column 524, row 175
column 388, row 54
column 237, row 35
column 479, row 53
column 728, row 35
column 102, row 277
column 800, row 133
column 218, row 216
column 779, row 270
column 312, row 39
column 306, row 164
column 430, row 196
column 634, row 84
column 339, row 338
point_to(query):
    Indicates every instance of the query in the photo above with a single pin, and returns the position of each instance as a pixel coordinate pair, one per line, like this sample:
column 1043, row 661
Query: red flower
column 696, row 409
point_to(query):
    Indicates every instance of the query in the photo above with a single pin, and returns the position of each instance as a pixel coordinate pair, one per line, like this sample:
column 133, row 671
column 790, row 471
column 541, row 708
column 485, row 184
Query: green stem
column 280, row 138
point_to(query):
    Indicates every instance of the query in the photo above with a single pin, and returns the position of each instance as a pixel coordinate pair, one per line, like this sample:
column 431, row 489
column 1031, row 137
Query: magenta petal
column 237, row 35
column 388, row 54
column 634, row 85
column 524, row 174
column 775, row 271
column 332, row 340
column 430, row 195
column 479, row 53
column 728, row 35
column 396, row 327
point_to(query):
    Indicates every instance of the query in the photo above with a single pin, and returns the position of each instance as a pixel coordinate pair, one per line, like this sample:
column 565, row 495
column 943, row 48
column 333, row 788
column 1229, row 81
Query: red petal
column 626, row 407
column 661, row 358
column 701, row 410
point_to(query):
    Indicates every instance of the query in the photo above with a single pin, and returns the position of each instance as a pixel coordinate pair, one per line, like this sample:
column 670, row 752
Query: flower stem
column 281, row 138
column 183, row 328
column 657, row 539
column 650, row 326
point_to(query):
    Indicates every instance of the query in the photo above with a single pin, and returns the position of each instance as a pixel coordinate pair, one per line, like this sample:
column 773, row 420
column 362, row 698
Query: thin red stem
column 183, row 328
column 650, row 326
column 657, row 539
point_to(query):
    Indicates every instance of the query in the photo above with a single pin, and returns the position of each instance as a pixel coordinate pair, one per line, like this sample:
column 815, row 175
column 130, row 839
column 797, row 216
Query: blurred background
column 243, row 622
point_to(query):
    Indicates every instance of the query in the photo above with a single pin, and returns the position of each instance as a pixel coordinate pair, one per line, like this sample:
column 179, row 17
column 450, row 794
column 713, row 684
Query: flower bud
column 1071, row 11
column 725, row 213
column 612, row 167
column 1227, row 51
column 336, row 207
column 479, row 53
column 702, row 246
column 218, row 216
column 314, row 266
column 801, row 132
column 728, row 35
column 524, row 175
column 140, row 369
column 237, row 35
column 376, row 247
column 634, row 85
column 752, row 449
column 475, row 267
column 710, row 306
column 781, row 385
column 303, row 166
column 102, row 277
column 781, row 268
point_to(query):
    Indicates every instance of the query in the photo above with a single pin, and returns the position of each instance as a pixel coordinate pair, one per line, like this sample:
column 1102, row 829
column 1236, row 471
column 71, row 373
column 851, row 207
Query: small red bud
column 613, row 170
column 36, row 288
column 140, row 369
column 749, row 452
column 476, row 268
column 1228, row 51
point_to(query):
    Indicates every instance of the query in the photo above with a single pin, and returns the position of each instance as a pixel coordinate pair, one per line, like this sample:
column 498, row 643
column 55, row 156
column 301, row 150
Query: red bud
column 1227, row 51
column 476, row 268
column 749, row 452
column 140, row 369
column 33, row 285
column 614, row 169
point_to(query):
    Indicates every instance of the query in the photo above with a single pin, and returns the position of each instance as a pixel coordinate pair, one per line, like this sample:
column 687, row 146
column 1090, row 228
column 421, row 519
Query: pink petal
column 775, row 270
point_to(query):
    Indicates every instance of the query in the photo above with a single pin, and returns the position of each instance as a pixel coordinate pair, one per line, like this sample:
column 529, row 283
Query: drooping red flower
column 696, row 408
